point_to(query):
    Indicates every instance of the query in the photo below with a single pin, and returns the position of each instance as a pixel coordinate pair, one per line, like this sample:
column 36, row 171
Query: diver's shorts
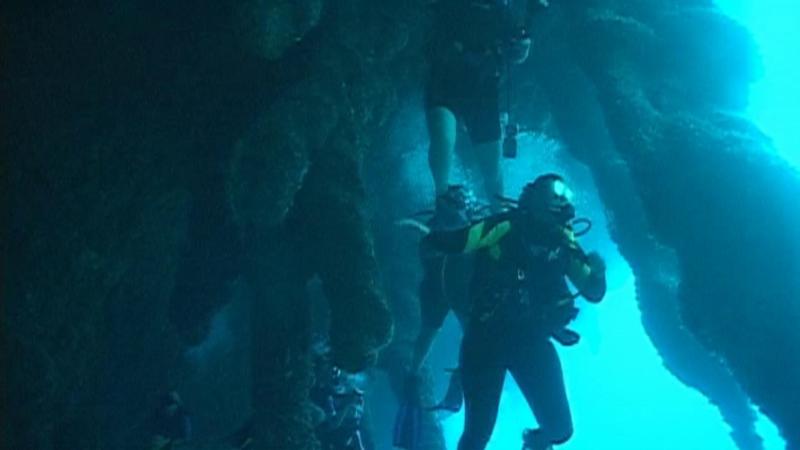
column 471, row 93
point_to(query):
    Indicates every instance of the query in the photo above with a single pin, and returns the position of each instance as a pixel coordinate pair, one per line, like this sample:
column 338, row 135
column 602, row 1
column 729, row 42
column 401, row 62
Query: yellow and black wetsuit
column 519, row 297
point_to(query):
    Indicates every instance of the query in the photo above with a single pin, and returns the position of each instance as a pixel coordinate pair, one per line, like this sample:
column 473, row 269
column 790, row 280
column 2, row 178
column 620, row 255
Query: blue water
column 775, row 98
column 621, row 395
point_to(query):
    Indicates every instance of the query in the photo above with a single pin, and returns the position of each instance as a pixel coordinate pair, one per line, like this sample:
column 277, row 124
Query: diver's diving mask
column 560, row 201
column 548, row 198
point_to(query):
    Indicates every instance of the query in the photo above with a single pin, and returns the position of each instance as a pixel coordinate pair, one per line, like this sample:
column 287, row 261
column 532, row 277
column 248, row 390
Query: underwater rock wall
column 322, row 128
column 99, row 213
column 159, row 152
column 156, row 151
column 397, row 250
column 580, row 126
column 711, row 188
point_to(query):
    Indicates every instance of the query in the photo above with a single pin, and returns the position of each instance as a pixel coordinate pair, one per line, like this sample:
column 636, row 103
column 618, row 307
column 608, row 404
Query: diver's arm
column 447, row 241
column 587, row 273
column 479, row 235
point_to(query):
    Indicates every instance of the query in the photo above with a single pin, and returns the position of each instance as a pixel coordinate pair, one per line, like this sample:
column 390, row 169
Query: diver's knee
column 439, row 115
column 562, row 435
column 441, row 126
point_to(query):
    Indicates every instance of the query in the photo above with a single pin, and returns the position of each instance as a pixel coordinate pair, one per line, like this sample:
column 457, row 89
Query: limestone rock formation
column 159, row 154
column 270, row 27
column 710, row 187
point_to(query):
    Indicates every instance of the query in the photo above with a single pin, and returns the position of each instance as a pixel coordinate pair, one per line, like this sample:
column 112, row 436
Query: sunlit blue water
column 775, row 99
column 621, row 395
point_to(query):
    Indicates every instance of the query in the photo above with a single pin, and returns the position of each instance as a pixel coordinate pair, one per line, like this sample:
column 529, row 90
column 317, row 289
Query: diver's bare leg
column 442, row 131
column 487, row 155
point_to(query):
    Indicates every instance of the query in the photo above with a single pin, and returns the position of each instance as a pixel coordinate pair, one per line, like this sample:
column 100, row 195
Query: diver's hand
column 596, row 263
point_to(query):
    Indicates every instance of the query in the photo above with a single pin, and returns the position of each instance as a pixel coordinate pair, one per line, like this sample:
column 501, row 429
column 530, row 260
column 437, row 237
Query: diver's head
column 455, row 208
column 547, row 200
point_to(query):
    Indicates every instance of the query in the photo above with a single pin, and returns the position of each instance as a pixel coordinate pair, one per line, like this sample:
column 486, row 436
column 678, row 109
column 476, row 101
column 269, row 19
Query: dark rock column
column 331, row 225
column 714, row 191
column 280, row 340
column 397, row 251
column 265, row 173
column 297, row 195
column 581, row 126
column 296, row 190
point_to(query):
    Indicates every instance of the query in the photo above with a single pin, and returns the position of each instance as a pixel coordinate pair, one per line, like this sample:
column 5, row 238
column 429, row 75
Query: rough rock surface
column 160, row 154
column 710, row 189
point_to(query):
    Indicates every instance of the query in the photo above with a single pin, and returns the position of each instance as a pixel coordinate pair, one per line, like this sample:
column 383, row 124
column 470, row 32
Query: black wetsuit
column 466, row 61
column 519, row 297
column 444, row 287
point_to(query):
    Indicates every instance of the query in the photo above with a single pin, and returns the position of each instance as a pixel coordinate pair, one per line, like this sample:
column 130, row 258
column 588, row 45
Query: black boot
column 566, row 337
column 533, row 439
column 454, row 398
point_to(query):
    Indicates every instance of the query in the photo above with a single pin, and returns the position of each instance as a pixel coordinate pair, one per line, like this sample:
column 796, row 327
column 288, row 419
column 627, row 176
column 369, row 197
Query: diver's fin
column 566, row 337
column 454, row 398
column 445, row 407
column 408, row 426
column 535, row 440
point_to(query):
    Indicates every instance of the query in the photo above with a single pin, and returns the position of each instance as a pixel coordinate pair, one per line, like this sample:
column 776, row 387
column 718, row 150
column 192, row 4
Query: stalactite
column 730, row 237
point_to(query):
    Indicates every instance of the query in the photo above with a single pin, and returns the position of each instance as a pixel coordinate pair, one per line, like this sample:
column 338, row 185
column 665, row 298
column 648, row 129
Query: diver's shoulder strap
column 488, row 232
column 478, row 235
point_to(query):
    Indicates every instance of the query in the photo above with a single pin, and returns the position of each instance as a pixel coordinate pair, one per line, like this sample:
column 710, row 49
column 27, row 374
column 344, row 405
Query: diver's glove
column 596, row 263
column 595, row 288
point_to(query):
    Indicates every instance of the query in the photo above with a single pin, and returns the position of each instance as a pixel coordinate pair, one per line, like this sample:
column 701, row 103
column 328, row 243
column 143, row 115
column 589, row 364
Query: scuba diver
column 170, row 423
column 338, row 406
column 444, row 285
column 475, row 43
column 443, row 288
column 519, row 298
